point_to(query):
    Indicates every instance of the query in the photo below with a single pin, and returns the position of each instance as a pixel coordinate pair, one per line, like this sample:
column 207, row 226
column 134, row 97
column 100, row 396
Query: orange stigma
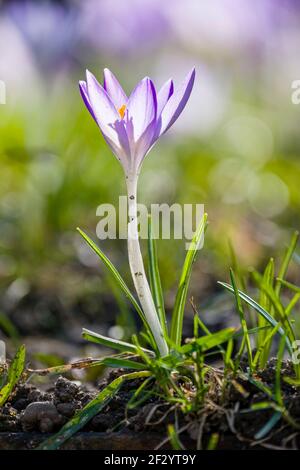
column 122, row 110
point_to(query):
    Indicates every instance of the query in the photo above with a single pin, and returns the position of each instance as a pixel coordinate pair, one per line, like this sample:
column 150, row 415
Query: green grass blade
column 118, row 278
column 198, row 323
column 295, row 299
column 213, row 441
column 207, row 342
column 178, row 311
column 277, row 306
column 277, row 391
column 292, row 381
column 264, row 347
column 123, row 363
column 268, row 279
column 264, row 431
column 236, row 267
column 252, row 331
column 140, row 395
column 286, row 261
column 289, row 285
column 174, row 438
column 228, row 355
column 261, row 405
column 110, row 342
column 89, row 411
column 155, row 282
column 241, row 313
column 259, row 310
column 264, row 301
column 292, row 303
column 260, row 385
column 14, row 373
column 140, row 351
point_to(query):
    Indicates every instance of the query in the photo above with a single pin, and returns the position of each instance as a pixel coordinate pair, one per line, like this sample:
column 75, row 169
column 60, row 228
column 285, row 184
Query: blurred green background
column 235, row 148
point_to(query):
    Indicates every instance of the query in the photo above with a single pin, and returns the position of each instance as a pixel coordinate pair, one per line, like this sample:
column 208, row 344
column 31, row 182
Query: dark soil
column 31, row 414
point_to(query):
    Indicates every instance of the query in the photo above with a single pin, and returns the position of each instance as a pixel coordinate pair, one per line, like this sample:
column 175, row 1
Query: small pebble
column 42, row 415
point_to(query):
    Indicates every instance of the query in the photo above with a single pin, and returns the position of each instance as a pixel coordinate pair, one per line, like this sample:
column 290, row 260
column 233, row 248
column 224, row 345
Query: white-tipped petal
column 114, row 90
column 141, row 108
column 177, row 102
column 164, row 95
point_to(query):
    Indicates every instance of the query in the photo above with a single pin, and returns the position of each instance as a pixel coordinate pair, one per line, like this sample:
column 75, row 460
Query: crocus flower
column 131, row 126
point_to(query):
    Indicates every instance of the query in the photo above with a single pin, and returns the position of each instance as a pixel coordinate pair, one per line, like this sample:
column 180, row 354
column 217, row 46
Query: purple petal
column 85, row 97
column 124, row 153
column 103, row 108
column 108, row 119
column 114, row 89
column 141, row 108
column 144, row 144
column 101, row 103
column 177, row 102
column 163, row 95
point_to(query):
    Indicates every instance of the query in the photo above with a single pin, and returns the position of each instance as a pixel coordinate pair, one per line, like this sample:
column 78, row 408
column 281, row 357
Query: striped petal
column 85, row 97
column 141, row 108
column 177, row 102
column 108, row 119
column 103, row 108
column 114, row 90
column 163, row 95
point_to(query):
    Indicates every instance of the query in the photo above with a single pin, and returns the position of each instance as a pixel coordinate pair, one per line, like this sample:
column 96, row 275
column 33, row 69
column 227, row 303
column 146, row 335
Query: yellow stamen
column 122, row 110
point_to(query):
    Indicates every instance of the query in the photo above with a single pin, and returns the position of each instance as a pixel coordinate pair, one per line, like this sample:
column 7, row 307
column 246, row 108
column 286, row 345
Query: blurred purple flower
column 228, row 25
column 123, row 27
column 49, row 29
column 132, row 125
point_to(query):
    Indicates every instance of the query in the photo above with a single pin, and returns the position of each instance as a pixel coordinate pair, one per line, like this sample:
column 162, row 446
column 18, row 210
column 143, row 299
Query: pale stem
column 137, row 267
